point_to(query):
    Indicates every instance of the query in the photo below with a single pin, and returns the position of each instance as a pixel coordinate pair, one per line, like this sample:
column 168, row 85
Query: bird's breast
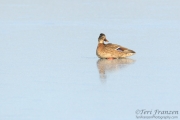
column 99, row 50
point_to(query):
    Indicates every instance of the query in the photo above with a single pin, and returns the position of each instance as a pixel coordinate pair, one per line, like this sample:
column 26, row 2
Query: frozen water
column 50, row 71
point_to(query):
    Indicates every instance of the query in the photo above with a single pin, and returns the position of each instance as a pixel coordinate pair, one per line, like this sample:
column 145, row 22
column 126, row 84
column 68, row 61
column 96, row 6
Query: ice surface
column 49, row 69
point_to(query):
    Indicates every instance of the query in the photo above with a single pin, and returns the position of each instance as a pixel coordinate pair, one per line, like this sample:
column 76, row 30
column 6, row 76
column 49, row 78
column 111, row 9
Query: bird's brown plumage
column 111, row 50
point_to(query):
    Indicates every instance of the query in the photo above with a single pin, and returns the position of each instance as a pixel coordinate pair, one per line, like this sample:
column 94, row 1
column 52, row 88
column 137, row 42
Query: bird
column 111, row 51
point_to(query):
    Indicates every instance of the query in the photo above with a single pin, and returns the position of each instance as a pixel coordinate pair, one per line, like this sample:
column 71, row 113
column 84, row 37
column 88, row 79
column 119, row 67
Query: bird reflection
column 106, row 66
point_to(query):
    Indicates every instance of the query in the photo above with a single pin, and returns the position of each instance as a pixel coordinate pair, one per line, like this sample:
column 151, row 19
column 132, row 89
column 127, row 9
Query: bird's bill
column 106, row 40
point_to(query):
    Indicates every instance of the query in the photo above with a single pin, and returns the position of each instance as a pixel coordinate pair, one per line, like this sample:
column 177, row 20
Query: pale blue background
column 49, row 69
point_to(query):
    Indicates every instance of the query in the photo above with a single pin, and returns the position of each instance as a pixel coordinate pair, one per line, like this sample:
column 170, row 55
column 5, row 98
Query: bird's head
column 102, row 38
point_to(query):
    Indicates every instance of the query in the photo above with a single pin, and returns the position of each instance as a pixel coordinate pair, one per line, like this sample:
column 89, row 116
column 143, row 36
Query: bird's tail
column 128, row 53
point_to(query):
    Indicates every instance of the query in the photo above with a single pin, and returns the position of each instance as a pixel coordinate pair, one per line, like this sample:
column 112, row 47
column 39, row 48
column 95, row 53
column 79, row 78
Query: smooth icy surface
column 49, row 69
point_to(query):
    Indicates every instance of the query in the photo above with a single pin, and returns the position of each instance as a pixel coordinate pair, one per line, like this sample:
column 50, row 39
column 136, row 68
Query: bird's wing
column 115, row 47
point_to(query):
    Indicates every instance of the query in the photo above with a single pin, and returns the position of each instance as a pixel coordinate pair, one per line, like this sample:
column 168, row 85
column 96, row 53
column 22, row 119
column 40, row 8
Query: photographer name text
column 155, row 112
